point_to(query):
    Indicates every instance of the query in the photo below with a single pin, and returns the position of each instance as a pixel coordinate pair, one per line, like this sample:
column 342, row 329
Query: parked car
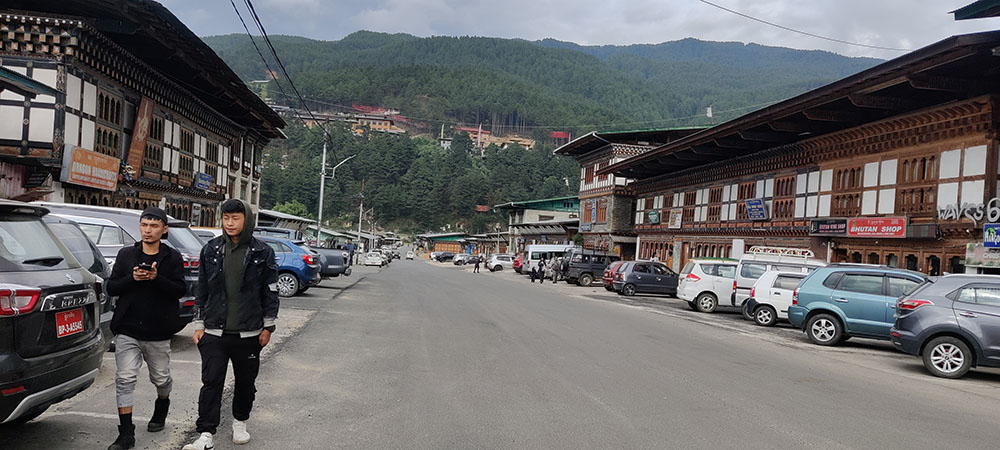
column 113, row 228
column 704, row 281
column 760, row 259
column 374, row 259
column 498, row 262
column 296, row 265
column 839, row 301
column 90, row 257
column 409, row 255
column 608, row 278
column 585, row 265
column 518, row 262
column 206, row 233
column 444, row 256
column 952, row 324
column 333, row 262
column 772, row 295
column 51, row 345
column 642, row 277
column 461, row 258
column 284, row 233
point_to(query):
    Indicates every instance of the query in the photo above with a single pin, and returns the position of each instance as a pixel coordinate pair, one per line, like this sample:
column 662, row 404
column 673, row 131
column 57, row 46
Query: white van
column 759, row 260
column 542, row 252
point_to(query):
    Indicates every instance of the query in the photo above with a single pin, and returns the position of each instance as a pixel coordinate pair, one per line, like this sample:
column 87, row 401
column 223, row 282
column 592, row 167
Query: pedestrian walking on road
column 553, row 268
column 235, row 309
column 148, row 279
column 532, row 273
column 475, row 269
column 541, row 271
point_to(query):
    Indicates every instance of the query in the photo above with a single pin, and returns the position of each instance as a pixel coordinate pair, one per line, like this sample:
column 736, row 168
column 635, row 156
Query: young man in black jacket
column 235, row 308
column 148, row 279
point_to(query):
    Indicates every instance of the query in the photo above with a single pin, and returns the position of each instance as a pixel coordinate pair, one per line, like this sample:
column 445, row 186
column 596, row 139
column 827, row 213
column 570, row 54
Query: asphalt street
column 421, row 355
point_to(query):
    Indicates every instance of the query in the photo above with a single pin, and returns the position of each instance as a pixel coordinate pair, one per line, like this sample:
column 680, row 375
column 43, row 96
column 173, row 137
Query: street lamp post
column 322, row 183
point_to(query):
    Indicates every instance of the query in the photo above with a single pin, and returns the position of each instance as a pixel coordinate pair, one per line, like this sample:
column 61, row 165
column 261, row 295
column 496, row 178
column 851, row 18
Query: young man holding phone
column 235, row 309
column 148, row 279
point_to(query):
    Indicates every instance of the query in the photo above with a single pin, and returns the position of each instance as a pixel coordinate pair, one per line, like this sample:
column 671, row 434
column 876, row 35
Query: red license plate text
column 69, row 322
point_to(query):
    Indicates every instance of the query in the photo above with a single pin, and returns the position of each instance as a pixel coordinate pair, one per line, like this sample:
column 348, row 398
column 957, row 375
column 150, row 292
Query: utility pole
column 322, row 181
column 361, row 211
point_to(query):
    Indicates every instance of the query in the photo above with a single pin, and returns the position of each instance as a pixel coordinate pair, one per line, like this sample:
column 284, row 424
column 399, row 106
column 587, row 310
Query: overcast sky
column 907, row 24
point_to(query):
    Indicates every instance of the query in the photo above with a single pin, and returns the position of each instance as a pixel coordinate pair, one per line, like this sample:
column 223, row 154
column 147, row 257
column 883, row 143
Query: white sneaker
column 240, row 435
column 204, row 442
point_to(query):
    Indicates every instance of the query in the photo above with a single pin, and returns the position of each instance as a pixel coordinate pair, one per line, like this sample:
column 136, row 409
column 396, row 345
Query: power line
column 802, row 32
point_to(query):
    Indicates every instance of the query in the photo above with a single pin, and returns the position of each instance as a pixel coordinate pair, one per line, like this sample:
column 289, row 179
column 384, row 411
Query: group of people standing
column 236, row 304
column 553, row 268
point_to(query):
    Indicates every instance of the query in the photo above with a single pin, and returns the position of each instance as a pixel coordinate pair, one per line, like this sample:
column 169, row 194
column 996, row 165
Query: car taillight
column 910, row 305
column 734, row 285
column 189, row 303
column 795, row 296
column 190, row 262
column 308, row 259
column 18, row 301
column 753, row 292
column 692, row 277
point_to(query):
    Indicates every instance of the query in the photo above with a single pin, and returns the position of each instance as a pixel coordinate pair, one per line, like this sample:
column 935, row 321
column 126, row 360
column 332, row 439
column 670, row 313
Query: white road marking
column 94, row 415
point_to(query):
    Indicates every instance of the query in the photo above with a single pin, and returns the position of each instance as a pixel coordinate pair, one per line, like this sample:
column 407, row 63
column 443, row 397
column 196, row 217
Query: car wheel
column 585, row 279
column 947, row 357
column 628, row 289
column 693, row 305
column 747, row 315
column 706, row 302
column 288, row 284
column 498, row 268
column 765, row 316
column 824, row 329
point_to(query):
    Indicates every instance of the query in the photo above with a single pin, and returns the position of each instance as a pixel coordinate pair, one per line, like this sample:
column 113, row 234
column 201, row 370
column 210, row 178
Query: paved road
column 428, row 356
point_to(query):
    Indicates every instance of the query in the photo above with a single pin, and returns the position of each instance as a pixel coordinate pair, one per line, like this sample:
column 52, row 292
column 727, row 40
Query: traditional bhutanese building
column 543, row 221
column 895, row 165
column 143, row 112
column 606, row 205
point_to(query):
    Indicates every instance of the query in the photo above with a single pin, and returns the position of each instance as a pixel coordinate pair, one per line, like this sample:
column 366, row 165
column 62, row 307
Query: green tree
column 294, row 208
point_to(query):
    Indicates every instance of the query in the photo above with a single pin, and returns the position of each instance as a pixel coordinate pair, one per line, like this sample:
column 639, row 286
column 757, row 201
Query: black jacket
column 258, row 295
column 147, row 310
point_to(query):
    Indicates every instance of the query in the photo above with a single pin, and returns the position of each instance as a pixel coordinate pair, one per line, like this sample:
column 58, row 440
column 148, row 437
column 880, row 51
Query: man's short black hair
column 233, row 206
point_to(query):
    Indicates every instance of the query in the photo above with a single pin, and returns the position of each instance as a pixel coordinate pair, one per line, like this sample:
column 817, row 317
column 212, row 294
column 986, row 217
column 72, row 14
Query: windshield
column 79, row 246
column 184, row 240
column 26, row 244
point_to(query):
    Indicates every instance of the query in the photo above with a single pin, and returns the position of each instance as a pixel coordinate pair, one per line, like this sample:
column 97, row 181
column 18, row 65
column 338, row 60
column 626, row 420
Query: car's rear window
column 690, row 266
column 832, row 280
column 787, row 282
column 184, row 240
column 26, row 244
column 78, row 244
column 752, row 271
column 726, row 271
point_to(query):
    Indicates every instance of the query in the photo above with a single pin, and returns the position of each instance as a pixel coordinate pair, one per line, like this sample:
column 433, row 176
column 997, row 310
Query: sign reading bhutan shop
column 881, row 227
column 86, row 168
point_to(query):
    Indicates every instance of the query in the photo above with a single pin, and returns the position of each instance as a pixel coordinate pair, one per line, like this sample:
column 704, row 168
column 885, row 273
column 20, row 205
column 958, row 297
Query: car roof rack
column 781, row 251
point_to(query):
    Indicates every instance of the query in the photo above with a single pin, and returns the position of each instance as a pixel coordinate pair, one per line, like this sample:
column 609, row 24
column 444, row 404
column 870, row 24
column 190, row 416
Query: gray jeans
column 129, row 354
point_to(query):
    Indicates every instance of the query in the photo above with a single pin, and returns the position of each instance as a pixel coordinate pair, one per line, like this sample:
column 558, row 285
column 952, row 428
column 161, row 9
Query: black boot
column 159, row 419
column 126, row 438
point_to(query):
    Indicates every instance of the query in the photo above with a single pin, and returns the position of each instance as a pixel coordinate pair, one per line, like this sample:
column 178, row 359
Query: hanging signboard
column 756, row 209
column 991, row 235
column 143, row 120
column 880, row 227
column 86, row 168
column 675, row 219
column 593, row 211
column 654, row 216
column 828, row 227
column 203, row 181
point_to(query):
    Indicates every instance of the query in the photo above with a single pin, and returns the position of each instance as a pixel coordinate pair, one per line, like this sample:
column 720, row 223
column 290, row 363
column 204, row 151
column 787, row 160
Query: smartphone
column 145, row 266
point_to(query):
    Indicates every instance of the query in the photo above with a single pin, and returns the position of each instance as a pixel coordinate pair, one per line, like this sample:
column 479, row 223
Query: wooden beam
column 947, row 84
column 734, row 143
column 831, row 115
column 765, row 136
column 714, row 151
column 692, row 156
column 790, row 126
column 894, row 104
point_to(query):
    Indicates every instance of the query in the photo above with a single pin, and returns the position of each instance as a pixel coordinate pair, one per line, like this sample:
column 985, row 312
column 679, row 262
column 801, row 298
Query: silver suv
column 500, row 262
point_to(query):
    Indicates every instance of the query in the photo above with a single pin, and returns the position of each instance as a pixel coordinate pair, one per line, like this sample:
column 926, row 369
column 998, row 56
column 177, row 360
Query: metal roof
column 150, row 32
column 978, row 10
column 596, row 140
column 526, row 204
column 20, row 84
column 281, row 215
column 956, row 68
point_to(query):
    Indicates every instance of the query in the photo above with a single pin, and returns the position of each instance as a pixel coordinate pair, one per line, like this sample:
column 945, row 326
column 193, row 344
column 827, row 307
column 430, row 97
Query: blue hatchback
column 296, row 265
column 843, row 300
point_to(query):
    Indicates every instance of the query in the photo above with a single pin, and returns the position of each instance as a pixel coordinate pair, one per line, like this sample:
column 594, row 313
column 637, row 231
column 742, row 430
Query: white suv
column 771, row 296
column 499, row 262
column 703, row 282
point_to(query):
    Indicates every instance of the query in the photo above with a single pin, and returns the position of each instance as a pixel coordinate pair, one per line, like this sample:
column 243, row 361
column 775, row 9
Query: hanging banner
column 143, row 120
column 675, row 219
column 828, row 227
column 991, row 235
column 881, row 227
column 86, row 168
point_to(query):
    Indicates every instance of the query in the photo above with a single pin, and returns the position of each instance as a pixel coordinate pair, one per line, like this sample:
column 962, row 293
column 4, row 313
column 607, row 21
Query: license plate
column 69, row 322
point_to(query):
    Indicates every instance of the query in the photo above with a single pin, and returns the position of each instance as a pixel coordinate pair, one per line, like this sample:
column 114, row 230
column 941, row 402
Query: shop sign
column 203, row 181
column 195, row 213
column 143, row 119
column 991, row 235
column 593, row 211
column 756, row 209
column 654, row 216
column 977, row 255
column 585, row 227
column 972, row 211
column 86, row 168
column 828, row 227
column 675, row 219
column 881, row 227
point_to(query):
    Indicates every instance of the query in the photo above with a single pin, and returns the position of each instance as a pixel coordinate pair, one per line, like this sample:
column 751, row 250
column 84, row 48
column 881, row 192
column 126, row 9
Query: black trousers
column 216, row 353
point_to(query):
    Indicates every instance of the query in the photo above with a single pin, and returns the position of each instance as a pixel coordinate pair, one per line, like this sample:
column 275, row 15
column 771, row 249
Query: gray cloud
column 887, row 23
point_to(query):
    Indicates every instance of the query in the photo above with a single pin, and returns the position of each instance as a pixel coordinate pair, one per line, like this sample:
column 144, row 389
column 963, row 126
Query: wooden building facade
column 896, row 165
column 145, row 113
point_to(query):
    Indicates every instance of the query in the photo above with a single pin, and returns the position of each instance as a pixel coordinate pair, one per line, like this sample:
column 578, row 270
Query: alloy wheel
column 824, row 330
column 947, row 358
column 287, row 285
column 764, row 316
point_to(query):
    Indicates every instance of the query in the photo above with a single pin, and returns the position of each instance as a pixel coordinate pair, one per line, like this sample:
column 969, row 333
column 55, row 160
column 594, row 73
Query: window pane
column 786, row 282
column 988, row 296
column 899, row 287
column 967, row 295
column 277, row 247
column 726, row 271
column 752, row 271
column 659, row 270
column 641, row 268
column 864, row 284
column 832, row 280
column 110, row 236
column 690, row 266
